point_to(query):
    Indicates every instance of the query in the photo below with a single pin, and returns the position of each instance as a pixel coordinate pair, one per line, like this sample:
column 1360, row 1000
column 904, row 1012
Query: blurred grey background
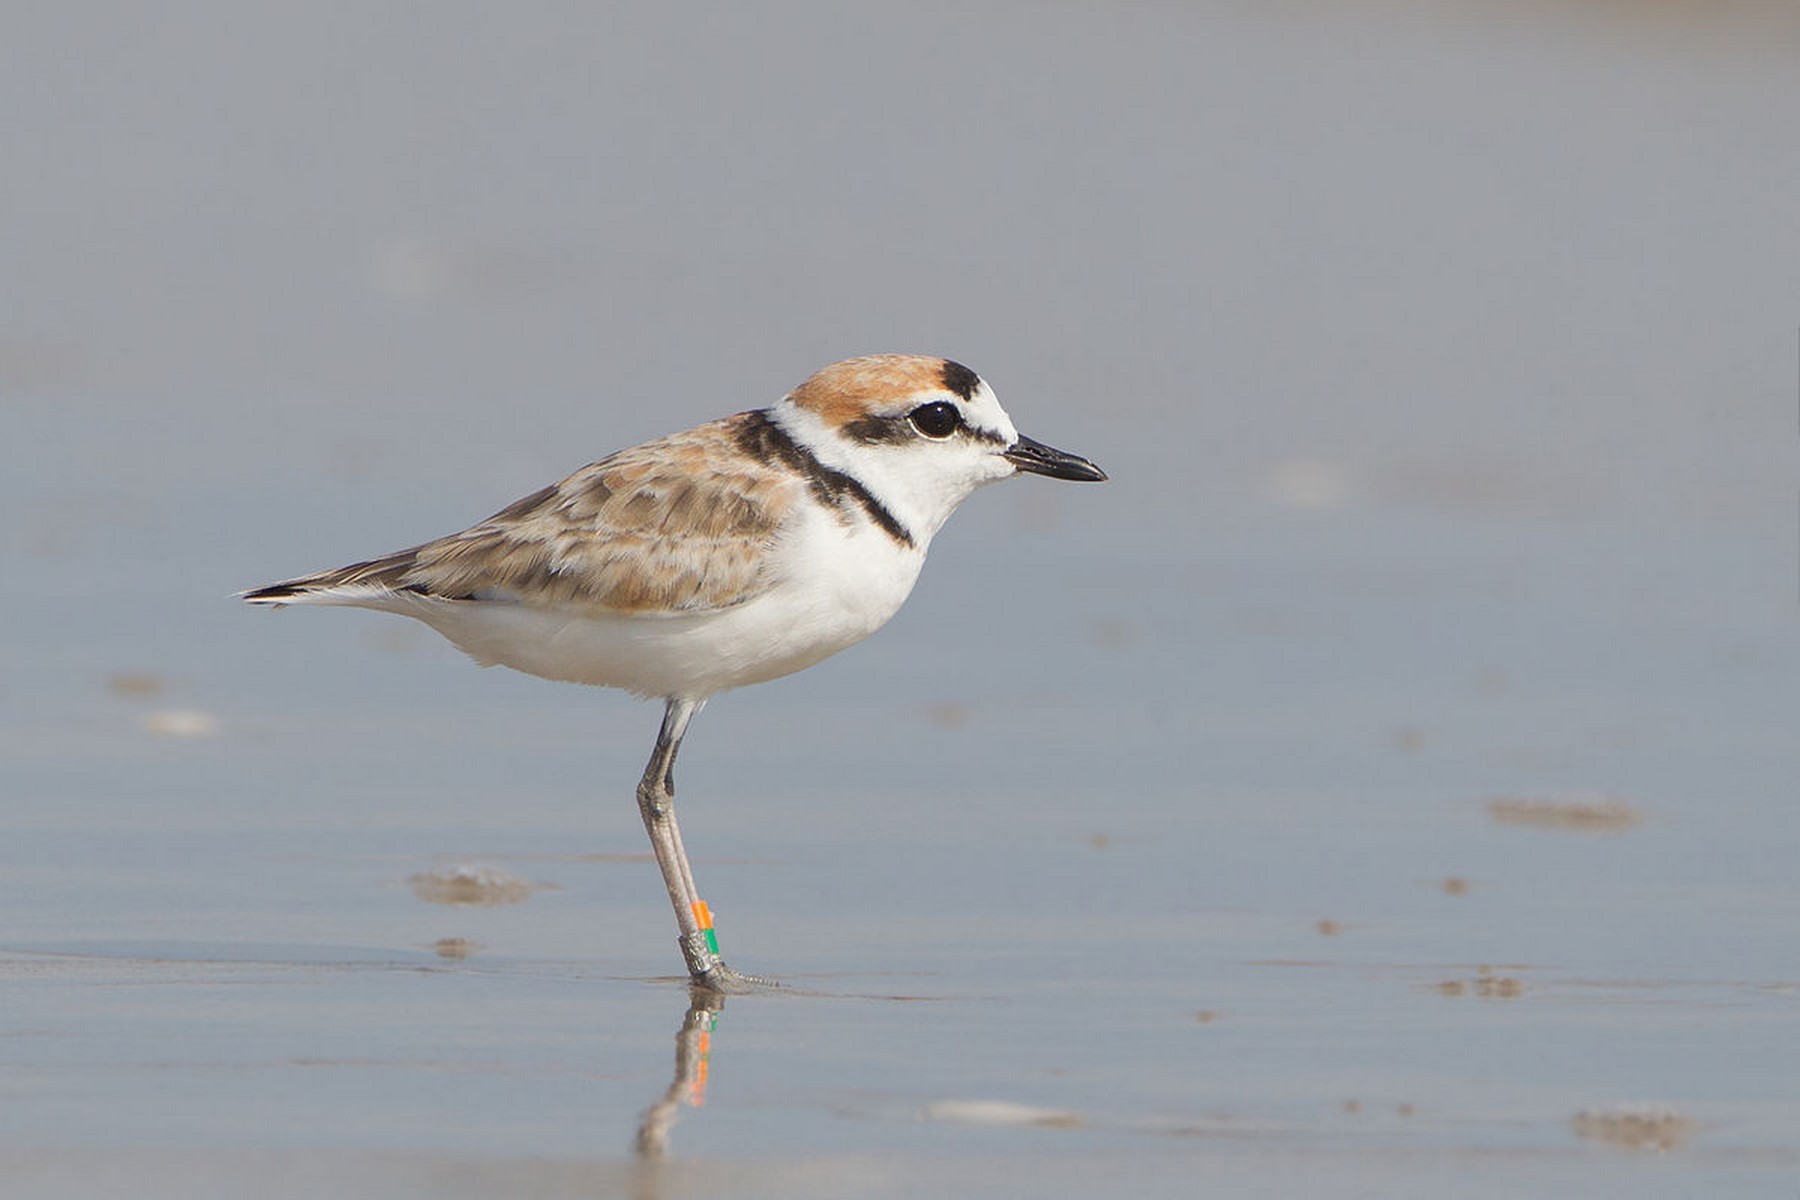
column 1354, row 302
column 290, row 284
column 1519, row 258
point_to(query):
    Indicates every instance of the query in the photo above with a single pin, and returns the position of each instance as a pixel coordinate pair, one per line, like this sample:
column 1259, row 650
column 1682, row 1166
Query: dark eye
column 938, row 420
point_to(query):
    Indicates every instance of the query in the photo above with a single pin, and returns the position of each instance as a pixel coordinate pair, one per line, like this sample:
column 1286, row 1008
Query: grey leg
column 656, row 801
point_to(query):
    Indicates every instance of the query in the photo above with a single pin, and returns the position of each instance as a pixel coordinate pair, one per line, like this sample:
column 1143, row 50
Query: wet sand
column 1384, row 786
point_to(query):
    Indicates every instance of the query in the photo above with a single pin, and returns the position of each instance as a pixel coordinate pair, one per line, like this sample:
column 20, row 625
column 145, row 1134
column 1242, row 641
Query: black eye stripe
column 874, row 430
column 901, row 429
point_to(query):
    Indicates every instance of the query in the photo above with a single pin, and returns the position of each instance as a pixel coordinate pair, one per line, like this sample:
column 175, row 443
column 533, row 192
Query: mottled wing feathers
column 679, row 525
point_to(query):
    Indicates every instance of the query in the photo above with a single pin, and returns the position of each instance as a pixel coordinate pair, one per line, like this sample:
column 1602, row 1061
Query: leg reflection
column 693, row 1047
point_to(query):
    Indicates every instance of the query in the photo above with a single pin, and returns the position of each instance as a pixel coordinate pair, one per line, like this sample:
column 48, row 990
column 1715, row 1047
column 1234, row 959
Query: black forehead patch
column 960, row 380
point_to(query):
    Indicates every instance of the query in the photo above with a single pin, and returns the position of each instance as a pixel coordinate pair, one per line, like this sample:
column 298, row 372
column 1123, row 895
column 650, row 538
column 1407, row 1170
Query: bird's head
column 920, row 432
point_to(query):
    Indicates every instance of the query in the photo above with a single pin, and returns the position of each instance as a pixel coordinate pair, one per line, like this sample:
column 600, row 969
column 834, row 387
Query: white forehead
column 982, row 410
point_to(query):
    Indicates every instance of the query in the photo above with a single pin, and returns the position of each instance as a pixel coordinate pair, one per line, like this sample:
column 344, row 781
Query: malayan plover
column 737, row 552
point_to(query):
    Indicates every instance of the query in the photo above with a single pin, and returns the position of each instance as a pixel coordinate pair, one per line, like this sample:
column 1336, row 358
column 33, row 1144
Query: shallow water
column 1383, row 786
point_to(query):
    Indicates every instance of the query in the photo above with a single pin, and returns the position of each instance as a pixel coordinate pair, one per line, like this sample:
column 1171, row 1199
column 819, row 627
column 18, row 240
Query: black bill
column 1040, row 459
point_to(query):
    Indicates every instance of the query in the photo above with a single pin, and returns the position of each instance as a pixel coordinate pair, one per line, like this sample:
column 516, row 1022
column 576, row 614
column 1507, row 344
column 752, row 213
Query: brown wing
column 682, row 524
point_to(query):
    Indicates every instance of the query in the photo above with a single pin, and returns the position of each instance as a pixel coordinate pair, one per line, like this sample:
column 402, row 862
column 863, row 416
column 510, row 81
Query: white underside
column 836, row 586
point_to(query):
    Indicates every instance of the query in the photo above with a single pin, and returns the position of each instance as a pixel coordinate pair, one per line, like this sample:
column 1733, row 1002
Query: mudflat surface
column 1384, row 786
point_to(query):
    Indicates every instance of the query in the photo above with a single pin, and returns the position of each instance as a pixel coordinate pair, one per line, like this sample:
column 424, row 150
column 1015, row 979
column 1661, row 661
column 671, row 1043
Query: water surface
column 1444, row 366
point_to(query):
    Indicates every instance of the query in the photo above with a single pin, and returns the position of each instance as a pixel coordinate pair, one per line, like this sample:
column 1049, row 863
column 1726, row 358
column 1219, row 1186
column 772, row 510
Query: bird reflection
column 693, row 1048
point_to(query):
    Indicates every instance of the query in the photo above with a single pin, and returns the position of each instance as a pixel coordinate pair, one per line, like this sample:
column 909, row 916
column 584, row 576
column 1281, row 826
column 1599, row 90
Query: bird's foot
column 706, row 969
column 721, row 978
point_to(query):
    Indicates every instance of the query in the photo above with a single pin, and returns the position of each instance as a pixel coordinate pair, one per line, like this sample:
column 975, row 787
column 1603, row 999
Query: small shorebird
column 739, row 551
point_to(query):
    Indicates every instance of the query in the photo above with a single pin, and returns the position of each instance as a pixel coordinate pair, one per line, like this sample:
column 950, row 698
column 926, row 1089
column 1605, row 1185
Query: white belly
column 837, row 587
